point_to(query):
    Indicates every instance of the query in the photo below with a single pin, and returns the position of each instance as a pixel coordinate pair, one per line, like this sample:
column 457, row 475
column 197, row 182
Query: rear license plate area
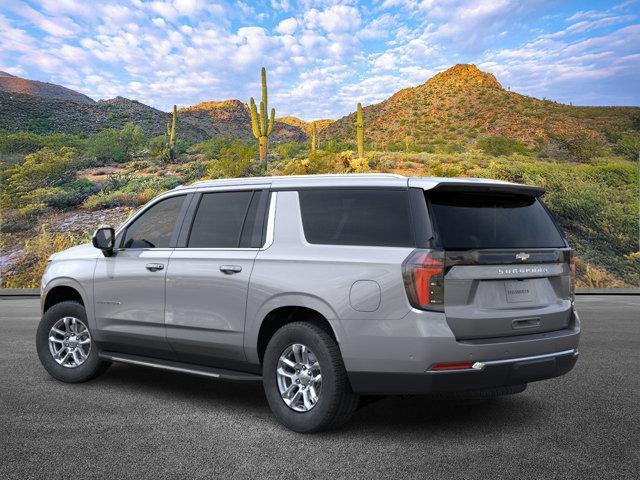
column 519, row 291
column 535, row 369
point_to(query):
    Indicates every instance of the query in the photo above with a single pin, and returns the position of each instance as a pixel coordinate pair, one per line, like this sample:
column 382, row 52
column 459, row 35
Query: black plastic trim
column 517, row 373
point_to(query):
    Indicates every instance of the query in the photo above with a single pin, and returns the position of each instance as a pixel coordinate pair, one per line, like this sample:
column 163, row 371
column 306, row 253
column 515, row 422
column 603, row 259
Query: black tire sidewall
column 91, row 366
column 322, row 414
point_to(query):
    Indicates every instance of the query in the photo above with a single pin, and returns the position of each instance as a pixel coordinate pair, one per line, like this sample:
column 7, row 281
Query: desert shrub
column 42, row 169
column 232, row 160
column 158, row 145
column 629, row 146
column 320, row 161
column 40, row 125
column 116, row 182
column 589, row 276
column 289, row 150
column 581, row 146
column 212, row 147
column 67, row 195
column 16, row 220
column 38, row 250
column 498, row 146
column 28, row 142
column 188, row 172
column 446, row 170
column 116, row 145
column 117, row 199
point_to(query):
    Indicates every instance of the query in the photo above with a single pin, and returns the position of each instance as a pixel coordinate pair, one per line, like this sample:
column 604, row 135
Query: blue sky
column 322, row 56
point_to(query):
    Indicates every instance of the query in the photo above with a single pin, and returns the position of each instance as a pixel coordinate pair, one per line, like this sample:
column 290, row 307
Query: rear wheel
column 305, row 380
column 65, row 346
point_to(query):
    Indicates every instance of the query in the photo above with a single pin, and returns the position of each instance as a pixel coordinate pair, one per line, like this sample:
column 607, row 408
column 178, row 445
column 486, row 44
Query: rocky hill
column 232, row 118
column 305, row 126
column 464, row 103
column 12, row 84
column 47, row 108
column 20, row 111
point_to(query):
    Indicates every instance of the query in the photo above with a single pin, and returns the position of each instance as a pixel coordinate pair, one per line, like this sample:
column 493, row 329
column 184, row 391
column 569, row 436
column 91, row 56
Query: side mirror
column 104, row 239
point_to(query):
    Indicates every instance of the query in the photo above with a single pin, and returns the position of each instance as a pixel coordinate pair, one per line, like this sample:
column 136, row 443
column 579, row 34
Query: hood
column 86, row 250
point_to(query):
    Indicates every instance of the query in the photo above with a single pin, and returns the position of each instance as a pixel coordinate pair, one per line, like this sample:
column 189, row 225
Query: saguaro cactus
column 260, row 124
column 314, row 140
column 171, row 135
column 360, row 132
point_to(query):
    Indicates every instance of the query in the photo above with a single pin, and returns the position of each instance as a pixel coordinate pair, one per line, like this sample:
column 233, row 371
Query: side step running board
column 211, row 372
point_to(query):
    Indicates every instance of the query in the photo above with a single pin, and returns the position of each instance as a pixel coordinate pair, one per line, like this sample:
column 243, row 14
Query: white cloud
column 335, row 19
column 287, row 26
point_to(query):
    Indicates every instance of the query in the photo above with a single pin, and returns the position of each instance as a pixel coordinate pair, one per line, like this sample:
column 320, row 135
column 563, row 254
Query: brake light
column 572, row 270
column 423, row 273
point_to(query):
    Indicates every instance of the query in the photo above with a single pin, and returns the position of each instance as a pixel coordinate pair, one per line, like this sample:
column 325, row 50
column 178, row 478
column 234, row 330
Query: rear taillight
column 423, row 273
column 572, row 270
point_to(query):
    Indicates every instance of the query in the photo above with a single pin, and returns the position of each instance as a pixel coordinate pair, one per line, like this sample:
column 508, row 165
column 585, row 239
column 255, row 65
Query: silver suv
column 323, row 288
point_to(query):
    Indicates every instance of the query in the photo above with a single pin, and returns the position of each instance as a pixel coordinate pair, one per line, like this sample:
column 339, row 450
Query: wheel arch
column 282, row 315
column 61, row 291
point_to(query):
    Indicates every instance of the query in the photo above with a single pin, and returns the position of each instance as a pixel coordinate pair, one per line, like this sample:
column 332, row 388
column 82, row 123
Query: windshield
column 467, row 221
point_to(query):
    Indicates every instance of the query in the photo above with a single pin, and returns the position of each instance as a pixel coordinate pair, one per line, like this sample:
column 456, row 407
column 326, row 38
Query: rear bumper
column 491, row 374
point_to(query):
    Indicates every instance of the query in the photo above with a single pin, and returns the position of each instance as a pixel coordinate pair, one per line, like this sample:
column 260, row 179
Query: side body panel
column 292, row 272
column 205, row 307
column 129, row 302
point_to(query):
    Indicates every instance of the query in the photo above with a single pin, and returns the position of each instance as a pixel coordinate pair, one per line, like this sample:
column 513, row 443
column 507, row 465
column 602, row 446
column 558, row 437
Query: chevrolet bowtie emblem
column 522, row 256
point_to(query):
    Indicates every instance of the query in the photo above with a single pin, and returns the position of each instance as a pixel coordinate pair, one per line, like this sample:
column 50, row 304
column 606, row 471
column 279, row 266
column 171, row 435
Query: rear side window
column 356, row 217
column 155, row 227
column 219, row 220
column 466, row 221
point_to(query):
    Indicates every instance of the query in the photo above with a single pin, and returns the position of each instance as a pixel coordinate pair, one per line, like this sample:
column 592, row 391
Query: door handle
column 154, row 267
column 230, row 269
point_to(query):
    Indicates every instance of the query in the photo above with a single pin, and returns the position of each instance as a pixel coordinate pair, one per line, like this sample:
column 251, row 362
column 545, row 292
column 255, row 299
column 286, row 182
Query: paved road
column 139, row 423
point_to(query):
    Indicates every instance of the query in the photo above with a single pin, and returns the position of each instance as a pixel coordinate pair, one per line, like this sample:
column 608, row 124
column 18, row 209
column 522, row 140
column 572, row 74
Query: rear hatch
column 506, row 263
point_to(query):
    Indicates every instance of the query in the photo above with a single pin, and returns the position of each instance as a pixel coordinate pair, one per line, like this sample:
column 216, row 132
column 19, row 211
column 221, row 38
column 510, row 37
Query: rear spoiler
column 478, row 187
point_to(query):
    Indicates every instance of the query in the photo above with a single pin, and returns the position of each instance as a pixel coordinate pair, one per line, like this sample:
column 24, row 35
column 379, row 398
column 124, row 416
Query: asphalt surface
column 139, row 423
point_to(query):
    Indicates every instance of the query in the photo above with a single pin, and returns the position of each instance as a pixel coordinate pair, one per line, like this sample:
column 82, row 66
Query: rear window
column 356, row 217
column 219, row 220
column 478, row 220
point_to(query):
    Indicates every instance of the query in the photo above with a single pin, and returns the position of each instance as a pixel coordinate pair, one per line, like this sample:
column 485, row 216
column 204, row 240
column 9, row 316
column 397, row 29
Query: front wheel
column 305, row 380
column 64, row 344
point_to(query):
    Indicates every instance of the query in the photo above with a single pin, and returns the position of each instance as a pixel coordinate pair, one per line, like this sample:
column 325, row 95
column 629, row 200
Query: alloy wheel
column 69, row 342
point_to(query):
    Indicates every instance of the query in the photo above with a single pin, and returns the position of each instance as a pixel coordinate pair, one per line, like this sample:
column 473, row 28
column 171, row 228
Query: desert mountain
column 232, row 117
column 12, row 84
column 305, row 126
column 463, row 103
column 48, row 108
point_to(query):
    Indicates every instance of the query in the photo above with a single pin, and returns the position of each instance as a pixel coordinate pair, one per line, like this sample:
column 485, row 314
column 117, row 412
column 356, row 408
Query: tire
column 335, row 402
column 91, row 365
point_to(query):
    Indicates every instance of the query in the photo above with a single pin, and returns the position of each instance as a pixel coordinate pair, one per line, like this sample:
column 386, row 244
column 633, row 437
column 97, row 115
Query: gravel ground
column 139, row 423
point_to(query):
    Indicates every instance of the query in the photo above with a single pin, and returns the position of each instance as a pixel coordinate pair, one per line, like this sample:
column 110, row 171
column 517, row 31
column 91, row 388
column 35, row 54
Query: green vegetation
column 116, row 145
column 27, row 142
column 261, row 126
column 498, row 146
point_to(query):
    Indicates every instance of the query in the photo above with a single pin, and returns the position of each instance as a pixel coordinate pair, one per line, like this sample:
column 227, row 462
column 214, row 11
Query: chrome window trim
column 271, row 220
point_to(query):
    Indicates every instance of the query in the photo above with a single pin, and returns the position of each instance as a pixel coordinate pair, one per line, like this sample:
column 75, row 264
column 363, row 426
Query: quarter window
column 154, row 228
column 219, row 221
column 356, row 217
